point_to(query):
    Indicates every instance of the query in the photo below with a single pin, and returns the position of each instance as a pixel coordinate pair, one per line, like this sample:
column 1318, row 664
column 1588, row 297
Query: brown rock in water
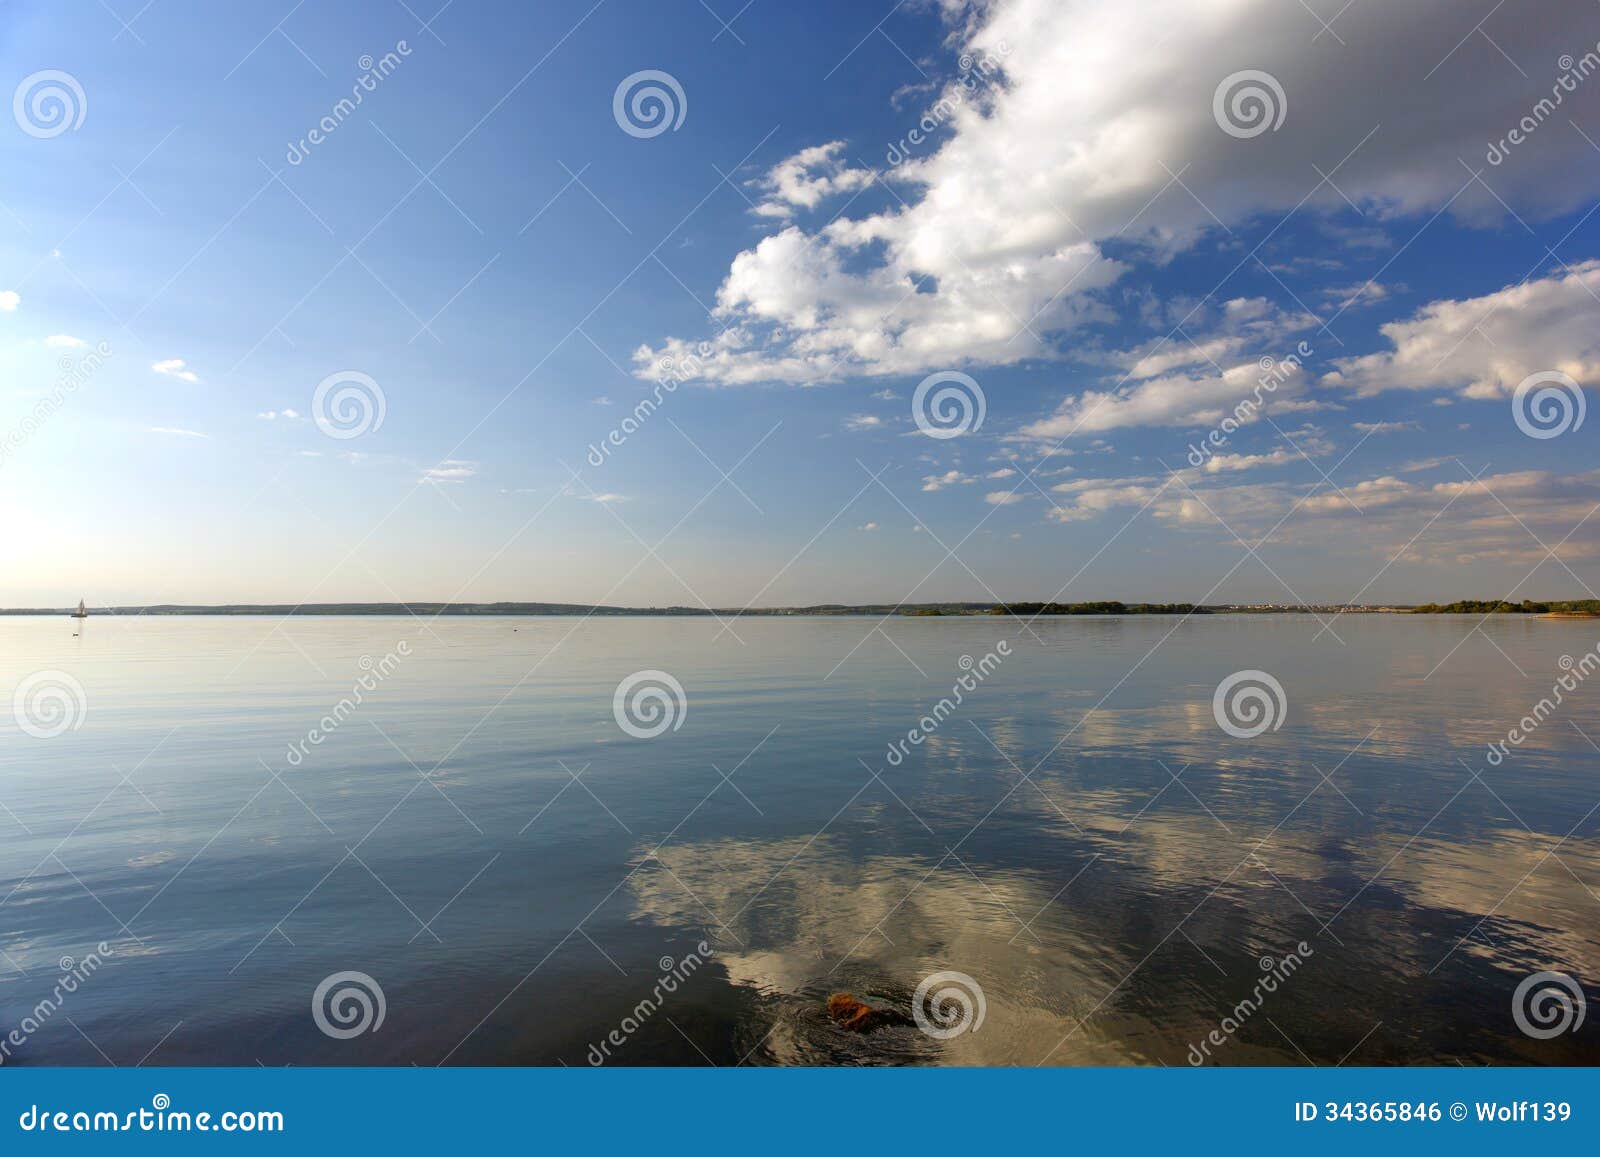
column 854, row 1015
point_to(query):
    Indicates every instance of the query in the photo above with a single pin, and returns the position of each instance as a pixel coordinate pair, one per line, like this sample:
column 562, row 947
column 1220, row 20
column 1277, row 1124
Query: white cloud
column 1003, row 472
column 1359, row 294
column 1002, row 497
column 1232, row 463
column 176, row 431
column 1383, row 427
column 175, row 368
column 996, row 249
column 450, row 470
column 9, row 300
column 65, row 341
column 1091, row 498
column 1461, row 520
column 863, row 422
column 1174, row 400
column 933, row 482
column 868, row 526
column 804, row 180
column 1482, row 347
column 274, row 415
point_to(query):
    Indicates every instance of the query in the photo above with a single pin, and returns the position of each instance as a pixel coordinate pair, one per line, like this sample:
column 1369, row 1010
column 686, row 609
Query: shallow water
column 1079, row 837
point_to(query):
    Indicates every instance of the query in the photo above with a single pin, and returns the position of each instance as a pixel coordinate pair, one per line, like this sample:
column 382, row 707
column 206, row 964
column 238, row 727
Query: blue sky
column 1080, row 234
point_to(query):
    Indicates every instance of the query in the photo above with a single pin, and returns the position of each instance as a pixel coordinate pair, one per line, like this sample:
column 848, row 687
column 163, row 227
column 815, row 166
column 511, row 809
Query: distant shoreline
column 1548, row 610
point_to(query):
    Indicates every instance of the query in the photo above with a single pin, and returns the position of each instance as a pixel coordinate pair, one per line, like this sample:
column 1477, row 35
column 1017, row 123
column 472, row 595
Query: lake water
column 514, row 870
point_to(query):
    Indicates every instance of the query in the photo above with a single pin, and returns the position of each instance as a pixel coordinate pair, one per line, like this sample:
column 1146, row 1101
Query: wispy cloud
column 1383, row 427
column 175, row 368
column 450, row 470
column 64, row 341
column 178, row 431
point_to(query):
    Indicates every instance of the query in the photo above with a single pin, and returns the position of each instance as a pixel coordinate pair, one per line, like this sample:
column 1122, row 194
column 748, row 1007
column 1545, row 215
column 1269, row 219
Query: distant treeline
column 914, row 610
column 1101, row 608
column 1502, row 607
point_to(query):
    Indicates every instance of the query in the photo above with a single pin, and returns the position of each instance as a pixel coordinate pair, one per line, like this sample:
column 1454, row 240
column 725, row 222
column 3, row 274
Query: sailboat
column 82, row 612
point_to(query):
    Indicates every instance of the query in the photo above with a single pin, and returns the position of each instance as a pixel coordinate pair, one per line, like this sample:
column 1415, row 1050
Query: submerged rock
column 854, row 1015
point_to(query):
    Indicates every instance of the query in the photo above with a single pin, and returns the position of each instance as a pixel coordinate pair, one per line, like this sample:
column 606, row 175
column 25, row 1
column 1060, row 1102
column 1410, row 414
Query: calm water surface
column 1079, row 837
